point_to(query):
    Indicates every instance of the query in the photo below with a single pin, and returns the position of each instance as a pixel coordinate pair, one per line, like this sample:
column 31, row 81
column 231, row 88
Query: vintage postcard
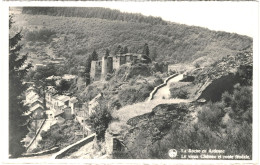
column 146, row 82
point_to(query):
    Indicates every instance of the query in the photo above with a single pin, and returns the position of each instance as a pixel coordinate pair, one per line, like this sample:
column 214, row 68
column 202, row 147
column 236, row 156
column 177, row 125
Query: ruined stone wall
column 107, row 66
column 129, row 58
column 99, row 69
column 122, row 60
column 134, row 58
column 95, row 71
column 104, row 67
column 116, row 62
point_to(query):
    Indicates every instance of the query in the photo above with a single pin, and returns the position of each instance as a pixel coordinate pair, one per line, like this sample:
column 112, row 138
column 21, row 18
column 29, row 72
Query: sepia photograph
column 132, row 80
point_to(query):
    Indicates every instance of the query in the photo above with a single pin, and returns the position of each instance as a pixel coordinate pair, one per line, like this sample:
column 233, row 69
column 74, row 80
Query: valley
column 136, row 86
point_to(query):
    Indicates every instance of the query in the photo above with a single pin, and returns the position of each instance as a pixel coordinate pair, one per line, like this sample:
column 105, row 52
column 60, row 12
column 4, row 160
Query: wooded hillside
column 102, row 29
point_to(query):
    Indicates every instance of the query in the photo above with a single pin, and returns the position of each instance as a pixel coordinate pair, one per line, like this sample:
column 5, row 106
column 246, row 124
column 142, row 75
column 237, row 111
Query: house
column 35, row 102
column 50, row 114
column 49, row 94
column 81, row 116
column 37, row 112
column 72, row 104
column 30, row 95
column 37, row 66
column 59, row 119
column 60, row 101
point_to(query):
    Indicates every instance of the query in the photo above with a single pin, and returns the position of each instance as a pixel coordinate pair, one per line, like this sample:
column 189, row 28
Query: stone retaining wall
column 55, row 149
column 160, row 86
column 78, row 144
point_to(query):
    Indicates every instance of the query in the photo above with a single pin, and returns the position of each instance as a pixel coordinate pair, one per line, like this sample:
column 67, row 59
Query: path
column 164, row 92
column 130, row 111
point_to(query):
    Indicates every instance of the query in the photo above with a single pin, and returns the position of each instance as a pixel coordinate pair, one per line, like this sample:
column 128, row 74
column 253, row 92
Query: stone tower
column 107, row 66
column 95, row 71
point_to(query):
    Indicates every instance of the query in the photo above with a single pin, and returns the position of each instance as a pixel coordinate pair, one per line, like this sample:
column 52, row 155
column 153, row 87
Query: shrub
column 134, row 94
column 100, row 119
column 59, row 135
column 211, row 115
column 178, row 93
column 241, row 104
column 197, row 65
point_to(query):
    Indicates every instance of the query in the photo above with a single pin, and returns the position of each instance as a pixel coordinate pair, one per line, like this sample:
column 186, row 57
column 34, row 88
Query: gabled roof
column 66, row 108
column 36, row 107
column 31, row 95
column 57, row 113
column 30, row 88
column 40, row 100
column 32, row 109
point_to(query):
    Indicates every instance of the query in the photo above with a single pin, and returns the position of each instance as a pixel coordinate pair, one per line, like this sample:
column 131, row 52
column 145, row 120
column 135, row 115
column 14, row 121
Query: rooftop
column 57, row 113
column 69, row 76
column 63, row 98
column 36, row 107
column 33, row 109
column 53, row 77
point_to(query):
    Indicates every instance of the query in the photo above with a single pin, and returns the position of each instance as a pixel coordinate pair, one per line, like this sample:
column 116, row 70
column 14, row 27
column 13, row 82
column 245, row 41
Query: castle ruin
column 99, row 69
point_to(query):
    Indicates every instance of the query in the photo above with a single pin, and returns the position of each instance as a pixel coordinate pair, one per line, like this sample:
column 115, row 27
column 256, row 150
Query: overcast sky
column 239, row 17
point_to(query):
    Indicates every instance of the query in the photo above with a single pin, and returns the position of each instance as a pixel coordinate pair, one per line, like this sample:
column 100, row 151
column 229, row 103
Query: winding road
column 161, row 95
column 164, row 92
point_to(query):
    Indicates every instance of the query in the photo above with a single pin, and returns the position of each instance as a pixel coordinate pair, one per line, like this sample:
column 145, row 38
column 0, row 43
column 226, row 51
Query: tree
column 43, row 72
column 118, row 49
column 125, row 50
column 94, row 56
column 63, row 86
column 146, row 51
column 100, row 120
column 107, row 53
column 17, row 72
column 87, row 69
column 153, row 54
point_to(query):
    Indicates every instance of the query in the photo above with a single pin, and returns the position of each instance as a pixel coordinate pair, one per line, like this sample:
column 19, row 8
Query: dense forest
column 102, row 29
column 94, row 12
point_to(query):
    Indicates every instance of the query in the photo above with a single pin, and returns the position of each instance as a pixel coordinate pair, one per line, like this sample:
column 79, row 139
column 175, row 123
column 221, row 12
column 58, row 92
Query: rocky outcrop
column 150, row 127
column 218, row 72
